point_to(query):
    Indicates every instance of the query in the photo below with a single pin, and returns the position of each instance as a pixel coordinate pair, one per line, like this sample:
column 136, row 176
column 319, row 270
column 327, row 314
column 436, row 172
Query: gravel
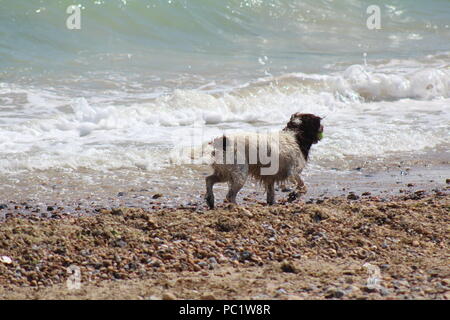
column 251, row 251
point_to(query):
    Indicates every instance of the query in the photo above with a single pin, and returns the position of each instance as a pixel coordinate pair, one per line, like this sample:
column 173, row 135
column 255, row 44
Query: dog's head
column 307, row 124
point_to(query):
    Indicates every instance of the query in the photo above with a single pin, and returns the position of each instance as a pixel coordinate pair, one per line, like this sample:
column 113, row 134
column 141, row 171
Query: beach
column 105, row 110
column 363, row 247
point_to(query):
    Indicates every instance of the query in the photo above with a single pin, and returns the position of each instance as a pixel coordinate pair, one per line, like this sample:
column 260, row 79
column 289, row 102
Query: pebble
column 212, row 260
column 369, row 289
column 246, row 255
column 295, row 297
column 197, row 267
column 349, row 280
column 208, row 296
column 384, row 292
column 117, row 212
column 281, row 291
column 121, row 243
column 400, row 283
column 352, row 196
column 335, row 293
column 157, row 195
column 168, row 296
column 83, row 252
column 212, row 263
column 246, row 213
column 352, row 289
column 289, row 267
column 5, row 259
column 222, row 259
column 339, row 293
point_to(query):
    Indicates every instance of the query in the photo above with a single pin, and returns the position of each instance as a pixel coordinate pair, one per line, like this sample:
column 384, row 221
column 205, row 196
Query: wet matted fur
column 290, row 148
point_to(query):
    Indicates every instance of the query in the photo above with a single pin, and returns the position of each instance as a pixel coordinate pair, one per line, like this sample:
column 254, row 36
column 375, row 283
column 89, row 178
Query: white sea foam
column 370, row 111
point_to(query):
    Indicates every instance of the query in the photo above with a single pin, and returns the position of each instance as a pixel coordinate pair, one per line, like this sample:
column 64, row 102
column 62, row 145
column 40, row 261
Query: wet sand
column 47, row 194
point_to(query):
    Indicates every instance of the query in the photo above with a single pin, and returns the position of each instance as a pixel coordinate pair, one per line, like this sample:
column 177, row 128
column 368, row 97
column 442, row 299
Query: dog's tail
column 221, row 143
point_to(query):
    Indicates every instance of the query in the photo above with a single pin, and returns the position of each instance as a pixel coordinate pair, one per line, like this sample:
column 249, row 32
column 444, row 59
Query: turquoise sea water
column 214, row 37
column 121, row 91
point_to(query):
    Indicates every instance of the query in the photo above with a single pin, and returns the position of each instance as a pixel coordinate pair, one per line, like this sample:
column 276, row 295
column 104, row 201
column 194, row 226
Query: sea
column 110, row 104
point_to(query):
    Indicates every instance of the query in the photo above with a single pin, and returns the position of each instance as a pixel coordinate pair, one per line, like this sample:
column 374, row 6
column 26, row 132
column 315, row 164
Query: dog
column 237, row 156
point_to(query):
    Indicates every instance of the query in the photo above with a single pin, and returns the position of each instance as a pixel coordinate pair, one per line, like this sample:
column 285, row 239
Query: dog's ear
column 295, row 122
column 307, row 123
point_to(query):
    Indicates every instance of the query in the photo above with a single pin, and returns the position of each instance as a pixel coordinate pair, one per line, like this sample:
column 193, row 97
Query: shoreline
column 108, row 133
column 298, row 250
column 62, row 195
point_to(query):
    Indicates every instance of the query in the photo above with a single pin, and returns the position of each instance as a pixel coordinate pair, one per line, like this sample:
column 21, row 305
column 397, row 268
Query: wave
column 139, row 76
column 371, row 111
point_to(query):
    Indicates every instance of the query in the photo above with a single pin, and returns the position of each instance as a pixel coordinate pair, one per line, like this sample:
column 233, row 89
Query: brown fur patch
column 307, row 128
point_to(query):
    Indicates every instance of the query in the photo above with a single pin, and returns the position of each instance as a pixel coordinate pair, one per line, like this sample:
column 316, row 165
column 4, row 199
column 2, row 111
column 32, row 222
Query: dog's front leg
column 301, row 187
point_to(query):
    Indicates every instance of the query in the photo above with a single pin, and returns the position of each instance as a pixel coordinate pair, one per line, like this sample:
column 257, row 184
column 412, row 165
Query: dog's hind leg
column 210, row 181
column 270, row 189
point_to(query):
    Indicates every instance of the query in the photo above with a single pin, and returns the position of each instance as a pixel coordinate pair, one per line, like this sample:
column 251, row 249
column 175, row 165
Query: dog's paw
column 210, row 201
column 302, row 190
column 293, row 196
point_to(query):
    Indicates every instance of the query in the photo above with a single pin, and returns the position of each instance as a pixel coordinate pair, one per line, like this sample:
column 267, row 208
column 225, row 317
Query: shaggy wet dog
column 269, row 158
